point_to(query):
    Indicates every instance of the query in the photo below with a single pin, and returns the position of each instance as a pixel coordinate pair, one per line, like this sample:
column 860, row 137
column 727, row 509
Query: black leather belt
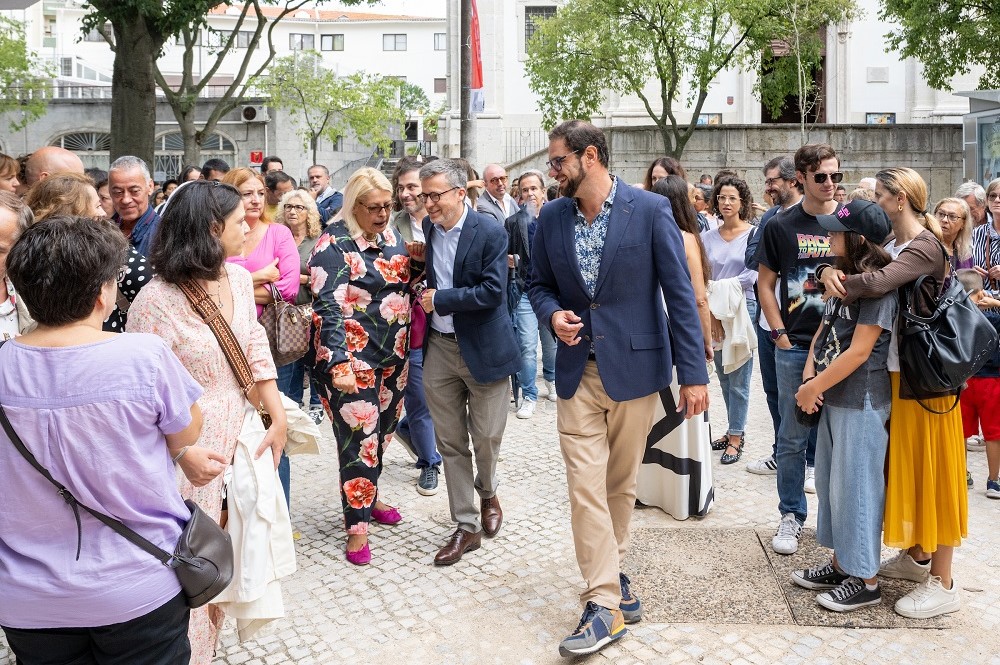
column 451, row 335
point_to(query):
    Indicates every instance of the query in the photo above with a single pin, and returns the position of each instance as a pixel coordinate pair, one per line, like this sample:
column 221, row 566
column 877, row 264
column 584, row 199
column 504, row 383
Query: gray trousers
column 460, row 406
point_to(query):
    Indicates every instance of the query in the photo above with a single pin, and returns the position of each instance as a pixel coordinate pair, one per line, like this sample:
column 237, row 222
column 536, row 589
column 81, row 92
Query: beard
column 569, row 187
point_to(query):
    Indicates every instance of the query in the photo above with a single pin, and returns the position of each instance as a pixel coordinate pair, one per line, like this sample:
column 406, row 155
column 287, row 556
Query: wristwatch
column 778, row 332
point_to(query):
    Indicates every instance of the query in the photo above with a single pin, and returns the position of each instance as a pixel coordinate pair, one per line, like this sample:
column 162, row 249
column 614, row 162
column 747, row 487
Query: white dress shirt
column 444, row 268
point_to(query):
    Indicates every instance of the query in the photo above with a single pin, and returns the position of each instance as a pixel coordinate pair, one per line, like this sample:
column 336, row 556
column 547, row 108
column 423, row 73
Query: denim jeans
column 736, row 387
column 548, row 353
column 769, row 380
column 850, row 458
column 526, row 327
column 416, row 425
column 291, row 382
column 793, row 438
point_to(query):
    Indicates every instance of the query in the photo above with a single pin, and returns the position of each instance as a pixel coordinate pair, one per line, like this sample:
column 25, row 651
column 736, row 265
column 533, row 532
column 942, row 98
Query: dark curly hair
column 746, row 198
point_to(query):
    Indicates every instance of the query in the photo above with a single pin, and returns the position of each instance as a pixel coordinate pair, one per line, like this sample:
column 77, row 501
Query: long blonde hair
column 361, row 182
column 901, row 179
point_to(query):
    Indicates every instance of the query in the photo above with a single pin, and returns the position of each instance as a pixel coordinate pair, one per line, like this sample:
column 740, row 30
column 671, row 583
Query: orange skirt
column 926, row 499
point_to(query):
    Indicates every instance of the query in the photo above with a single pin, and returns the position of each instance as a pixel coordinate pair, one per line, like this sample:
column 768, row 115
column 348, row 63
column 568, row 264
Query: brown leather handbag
column 287, row 327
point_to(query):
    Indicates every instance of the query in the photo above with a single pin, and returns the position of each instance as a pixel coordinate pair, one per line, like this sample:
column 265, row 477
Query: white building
column 405, row 46
column 864, row 83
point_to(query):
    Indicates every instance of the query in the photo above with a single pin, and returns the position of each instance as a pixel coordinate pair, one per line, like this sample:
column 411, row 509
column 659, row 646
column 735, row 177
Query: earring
column 900, row 207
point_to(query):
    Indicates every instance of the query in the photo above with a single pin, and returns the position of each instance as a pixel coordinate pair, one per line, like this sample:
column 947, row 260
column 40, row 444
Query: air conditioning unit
column 255, row 113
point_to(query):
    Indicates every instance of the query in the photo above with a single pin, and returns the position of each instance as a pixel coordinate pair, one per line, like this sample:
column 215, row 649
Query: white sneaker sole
column 809, row 489
column 779, row 549
column 836, row 607
column 949, row 607
column 566, row 653
column 992, row 494
column 426, row 492
column 761, row 472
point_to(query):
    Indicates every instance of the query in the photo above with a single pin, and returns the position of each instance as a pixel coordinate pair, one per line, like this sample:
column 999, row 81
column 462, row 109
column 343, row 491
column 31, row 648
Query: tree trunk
column 314, row 146
column 133, row 89
column 189, row 133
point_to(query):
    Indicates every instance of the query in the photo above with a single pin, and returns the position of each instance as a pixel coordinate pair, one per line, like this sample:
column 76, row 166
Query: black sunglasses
column 820, row 178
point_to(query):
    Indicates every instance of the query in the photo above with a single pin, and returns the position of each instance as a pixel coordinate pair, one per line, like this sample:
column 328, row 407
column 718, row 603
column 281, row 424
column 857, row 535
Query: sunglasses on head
column 820, row 178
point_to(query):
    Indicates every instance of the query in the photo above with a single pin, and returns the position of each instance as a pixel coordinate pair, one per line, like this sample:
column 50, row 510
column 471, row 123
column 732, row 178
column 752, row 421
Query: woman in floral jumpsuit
column 361, row 283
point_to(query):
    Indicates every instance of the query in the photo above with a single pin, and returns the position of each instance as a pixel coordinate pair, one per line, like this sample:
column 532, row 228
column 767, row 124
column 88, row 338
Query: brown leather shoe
column 492, row 516
column 460, row 542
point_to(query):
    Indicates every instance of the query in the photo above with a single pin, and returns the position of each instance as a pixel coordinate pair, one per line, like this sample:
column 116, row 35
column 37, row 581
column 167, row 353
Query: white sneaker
column 551, row 386
column 929, row 599
column 810, row 484
column 786, row 540
column 527, row 409
column 904, row 567
column 975, row 443
column 765, row 466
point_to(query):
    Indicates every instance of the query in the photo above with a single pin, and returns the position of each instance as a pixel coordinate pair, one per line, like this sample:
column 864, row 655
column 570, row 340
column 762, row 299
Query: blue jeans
column 769, row 380
column 736, row 387
column 291, row 382
column 548, row 353
column 416, row 425
column 850, row 458
column 526, row 327
column 793, row 438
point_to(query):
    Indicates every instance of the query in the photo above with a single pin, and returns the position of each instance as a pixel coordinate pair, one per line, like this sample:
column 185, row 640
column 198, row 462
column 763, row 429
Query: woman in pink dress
column 202, row 225
column 269, row 253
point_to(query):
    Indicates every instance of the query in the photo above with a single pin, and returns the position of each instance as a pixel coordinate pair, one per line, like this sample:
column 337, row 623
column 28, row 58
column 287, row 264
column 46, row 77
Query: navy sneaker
column 630, row 606
column 427, row 485
column 598, row 628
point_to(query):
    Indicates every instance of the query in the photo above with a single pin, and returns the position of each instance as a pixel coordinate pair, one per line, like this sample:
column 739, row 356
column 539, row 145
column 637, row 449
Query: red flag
column 477, row 53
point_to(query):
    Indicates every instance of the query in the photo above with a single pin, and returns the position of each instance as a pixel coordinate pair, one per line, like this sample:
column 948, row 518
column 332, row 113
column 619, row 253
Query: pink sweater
column 277, row 243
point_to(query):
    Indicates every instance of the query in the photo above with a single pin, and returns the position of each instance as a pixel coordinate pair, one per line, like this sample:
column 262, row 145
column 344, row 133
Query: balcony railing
column 68, row 90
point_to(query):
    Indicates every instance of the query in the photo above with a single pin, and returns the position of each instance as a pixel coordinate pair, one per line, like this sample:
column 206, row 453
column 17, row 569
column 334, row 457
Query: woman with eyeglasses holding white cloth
column 361, row 284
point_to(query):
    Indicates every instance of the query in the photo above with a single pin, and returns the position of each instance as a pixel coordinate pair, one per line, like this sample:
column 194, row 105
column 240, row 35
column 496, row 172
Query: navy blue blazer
column 478, row 301
column 636, row 346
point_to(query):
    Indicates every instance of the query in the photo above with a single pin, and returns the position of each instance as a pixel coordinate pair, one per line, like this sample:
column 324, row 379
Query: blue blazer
column 635, row 344
column 478, row 301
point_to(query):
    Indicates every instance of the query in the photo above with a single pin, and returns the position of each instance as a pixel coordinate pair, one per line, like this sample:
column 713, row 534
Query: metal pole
column 467, row 147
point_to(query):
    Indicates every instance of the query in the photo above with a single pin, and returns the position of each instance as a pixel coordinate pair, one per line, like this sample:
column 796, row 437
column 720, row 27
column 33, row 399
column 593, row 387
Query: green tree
column 592, row 47
column 948, row 36
column 413, row 99
column 139, row 30
column 23, row 79
column 330, row 106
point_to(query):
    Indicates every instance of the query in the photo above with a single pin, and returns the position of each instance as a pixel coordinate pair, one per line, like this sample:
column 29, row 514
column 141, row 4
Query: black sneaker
column 427, row 484
column 851, row 595
column 822, row 577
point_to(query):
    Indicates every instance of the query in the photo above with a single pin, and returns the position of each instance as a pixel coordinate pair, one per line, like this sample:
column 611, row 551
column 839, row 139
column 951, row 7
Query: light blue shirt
column 444, row 268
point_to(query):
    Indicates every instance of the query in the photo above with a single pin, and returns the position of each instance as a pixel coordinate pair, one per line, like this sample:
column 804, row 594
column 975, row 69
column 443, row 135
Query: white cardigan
column 728, row 304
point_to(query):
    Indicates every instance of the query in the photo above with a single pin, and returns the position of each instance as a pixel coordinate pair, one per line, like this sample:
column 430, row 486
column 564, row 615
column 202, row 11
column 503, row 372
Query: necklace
column 216, row 295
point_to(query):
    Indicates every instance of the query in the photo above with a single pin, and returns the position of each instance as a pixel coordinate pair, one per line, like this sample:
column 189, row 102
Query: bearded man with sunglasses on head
column 792, row 247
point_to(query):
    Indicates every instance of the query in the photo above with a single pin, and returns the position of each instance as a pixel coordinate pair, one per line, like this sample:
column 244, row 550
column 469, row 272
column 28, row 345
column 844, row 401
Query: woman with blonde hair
column 361, row 317
column 74, row 195
column 926, row 506
column 269, row 252
column 9, row 170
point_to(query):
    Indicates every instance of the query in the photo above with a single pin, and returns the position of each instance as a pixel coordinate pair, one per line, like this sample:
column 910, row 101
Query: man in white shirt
column 495, row 200
column 15, row 217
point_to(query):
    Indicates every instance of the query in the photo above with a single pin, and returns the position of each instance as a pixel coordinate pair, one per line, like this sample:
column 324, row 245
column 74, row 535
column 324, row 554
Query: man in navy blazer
column 469, row 352
column 601, row 258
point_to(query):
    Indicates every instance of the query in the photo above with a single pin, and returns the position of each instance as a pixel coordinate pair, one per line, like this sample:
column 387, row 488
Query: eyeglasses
column 820, row 178
column 948, row 217
column 374, row 210
column 992, row 198
column 294, row 206
column 774, row 181
column 433, row 196
column 498, row 180
column 556, row 163
column 727, row 199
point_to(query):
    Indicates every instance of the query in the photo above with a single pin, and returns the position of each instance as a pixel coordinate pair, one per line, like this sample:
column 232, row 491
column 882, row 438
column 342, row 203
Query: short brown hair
column 579, row 134
column 61, row 194
column 810, row 156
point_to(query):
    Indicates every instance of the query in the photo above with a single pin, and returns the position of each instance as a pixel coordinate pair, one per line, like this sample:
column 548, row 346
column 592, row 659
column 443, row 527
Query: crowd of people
column 432, row 293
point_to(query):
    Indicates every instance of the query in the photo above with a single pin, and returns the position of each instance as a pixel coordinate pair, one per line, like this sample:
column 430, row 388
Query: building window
column 95, row 36
column 243, row 38
column 209, row 37
column 331, row 42
column 440, row 41
column 301, row 42
column 532, row 15
column 440, row 85
column 393, row 42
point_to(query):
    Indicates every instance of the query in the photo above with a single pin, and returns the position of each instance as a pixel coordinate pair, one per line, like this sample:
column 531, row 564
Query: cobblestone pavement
column 514, row 599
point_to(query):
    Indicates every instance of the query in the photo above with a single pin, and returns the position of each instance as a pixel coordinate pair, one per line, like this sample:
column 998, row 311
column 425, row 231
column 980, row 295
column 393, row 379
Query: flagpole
column 467, row 126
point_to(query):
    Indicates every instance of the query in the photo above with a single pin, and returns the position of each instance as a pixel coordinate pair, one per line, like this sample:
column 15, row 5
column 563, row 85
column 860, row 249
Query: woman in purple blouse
column 71, row 589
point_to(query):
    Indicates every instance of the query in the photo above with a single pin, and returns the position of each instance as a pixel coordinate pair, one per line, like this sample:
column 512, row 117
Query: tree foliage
column 949, row 37
column 330, row 106
column 413, row 99
column 22, row 77
column 592, row 47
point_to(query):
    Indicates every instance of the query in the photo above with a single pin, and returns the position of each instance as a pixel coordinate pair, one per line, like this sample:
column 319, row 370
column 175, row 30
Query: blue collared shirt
column 143, row 231
column 590, row 238
column 444, row 267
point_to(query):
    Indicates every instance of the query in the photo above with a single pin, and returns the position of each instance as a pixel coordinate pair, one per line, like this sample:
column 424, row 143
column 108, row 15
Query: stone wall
column 935, row 151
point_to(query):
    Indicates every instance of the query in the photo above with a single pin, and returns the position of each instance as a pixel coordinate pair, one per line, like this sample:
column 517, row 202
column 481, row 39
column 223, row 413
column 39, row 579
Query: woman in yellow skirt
column 926, row 505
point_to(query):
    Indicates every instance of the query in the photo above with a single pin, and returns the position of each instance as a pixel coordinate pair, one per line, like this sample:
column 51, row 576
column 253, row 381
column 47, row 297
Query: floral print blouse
column 361, row 306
